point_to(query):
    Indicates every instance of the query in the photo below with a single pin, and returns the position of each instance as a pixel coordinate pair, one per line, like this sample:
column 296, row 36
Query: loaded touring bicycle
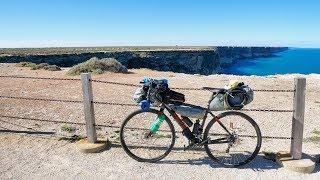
column 231, row 138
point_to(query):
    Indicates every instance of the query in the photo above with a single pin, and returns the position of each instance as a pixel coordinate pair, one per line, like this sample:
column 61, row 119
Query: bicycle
column 231, row 138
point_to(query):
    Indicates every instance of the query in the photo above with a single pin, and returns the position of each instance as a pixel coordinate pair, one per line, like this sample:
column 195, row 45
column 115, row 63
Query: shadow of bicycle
column 258, row 164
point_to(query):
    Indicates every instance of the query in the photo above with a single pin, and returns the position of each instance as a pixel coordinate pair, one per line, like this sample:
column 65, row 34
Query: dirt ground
column 32, row 148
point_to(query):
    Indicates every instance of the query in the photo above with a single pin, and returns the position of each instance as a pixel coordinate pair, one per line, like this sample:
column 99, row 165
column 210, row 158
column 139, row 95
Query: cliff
column 228, row 55
column 189, row 60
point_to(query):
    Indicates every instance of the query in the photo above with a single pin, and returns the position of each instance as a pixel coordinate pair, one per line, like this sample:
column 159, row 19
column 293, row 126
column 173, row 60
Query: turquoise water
column 294, row 60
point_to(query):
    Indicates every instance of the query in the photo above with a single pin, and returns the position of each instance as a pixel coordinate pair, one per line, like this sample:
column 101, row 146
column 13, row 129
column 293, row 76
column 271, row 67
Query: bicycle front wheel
column 234, row 139
column 139, row 143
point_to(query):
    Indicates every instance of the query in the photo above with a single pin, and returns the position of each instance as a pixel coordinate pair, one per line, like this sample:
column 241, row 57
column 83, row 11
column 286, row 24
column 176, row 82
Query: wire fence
column 128, row 84
column 121, row 104
column 113, row 126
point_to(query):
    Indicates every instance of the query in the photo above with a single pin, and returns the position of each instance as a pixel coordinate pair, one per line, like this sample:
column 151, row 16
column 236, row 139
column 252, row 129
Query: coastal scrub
column 34, row 66
column 98, row 66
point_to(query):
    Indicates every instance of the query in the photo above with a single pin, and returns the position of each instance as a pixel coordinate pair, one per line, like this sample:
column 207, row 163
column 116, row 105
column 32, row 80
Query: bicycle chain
column 263, row 137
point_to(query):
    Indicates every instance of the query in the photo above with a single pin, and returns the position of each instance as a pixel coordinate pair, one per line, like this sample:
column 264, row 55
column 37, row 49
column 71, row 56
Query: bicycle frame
column 184, row 126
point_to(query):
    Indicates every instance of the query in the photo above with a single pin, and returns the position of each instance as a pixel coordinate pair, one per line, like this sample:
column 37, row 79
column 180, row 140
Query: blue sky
column 43, row 23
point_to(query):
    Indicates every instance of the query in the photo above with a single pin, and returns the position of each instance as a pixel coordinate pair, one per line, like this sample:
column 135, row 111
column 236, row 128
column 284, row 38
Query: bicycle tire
column 136, row 157
column 220, row 118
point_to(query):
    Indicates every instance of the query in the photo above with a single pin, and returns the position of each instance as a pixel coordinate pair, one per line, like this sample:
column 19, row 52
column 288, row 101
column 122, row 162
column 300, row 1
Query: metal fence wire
column 131, row 85
column 117, row 103
column 114, row 126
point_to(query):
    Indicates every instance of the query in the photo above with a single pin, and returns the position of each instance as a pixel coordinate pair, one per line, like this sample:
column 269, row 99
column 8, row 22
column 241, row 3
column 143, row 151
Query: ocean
column 294, row 60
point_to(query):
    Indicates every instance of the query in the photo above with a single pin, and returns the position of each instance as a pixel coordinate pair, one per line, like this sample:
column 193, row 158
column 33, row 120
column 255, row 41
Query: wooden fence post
column 298, row 118
column 88, row 107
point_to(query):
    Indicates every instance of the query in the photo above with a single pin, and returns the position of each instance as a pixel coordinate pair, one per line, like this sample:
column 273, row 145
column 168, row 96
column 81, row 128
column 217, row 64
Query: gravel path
column 43, row 155
column 28, row 157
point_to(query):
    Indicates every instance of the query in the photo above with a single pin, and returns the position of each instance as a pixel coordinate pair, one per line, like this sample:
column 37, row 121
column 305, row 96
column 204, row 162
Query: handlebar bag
column 139, row 95
column 174, row 97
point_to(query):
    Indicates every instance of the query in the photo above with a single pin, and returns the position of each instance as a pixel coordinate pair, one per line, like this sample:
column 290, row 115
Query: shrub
column 52, row 68
column 22, row 64
column 26, row 64
column 34, row 66
column 39, row 66
column 96, row 66
column 67, row 128
column 316, row 132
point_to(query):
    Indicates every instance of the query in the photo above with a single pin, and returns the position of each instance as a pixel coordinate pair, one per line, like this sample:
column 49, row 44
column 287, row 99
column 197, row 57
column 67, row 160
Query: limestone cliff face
column 206, row 61
column 228, row 55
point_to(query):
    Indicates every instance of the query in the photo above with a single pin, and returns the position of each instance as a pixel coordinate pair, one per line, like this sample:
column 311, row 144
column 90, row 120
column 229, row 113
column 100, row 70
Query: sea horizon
column 292, row 61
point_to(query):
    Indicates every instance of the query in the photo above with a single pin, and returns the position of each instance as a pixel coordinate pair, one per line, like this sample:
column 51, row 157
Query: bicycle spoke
column 138, row 144
column 224, row 127
column 233, row 145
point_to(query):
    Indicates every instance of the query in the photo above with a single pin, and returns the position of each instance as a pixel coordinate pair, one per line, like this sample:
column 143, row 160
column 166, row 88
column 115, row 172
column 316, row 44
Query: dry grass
column 34, row 66
column 68, row 128
column 98, row 66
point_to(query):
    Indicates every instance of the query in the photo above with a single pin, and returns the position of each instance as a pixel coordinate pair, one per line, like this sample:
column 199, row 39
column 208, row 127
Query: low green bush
column 39, row 66
column 68, row 128
column 98, row 66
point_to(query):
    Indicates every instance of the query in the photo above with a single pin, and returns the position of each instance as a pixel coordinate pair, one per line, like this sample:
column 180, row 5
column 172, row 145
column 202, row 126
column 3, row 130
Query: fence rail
column 297, row 120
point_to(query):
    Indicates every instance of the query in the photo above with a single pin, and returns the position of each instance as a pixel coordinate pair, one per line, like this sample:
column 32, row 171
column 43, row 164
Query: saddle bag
column 231, row 99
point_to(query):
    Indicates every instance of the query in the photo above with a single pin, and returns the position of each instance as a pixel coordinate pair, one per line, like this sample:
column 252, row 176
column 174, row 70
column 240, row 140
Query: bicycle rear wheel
column 234, row 139
column 137, row 142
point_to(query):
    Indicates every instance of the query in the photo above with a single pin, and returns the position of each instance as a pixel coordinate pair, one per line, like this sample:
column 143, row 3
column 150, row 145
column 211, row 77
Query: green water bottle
column 157, row 123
